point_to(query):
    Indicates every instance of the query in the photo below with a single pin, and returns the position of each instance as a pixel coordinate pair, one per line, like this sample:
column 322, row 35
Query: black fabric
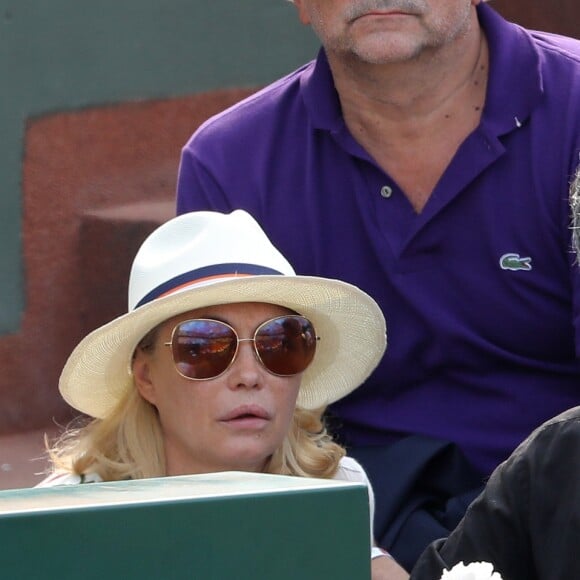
column 422, row 488
column 527, row 520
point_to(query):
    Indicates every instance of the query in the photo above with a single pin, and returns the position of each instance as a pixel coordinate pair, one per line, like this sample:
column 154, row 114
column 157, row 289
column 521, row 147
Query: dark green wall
column 57, row 55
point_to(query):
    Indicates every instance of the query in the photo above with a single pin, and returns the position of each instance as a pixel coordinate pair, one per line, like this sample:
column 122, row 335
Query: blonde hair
column 308, row 450
column 128, row 444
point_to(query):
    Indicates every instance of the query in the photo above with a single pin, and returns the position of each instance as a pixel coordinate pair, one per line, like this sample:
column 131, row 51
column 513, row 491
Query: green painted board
column 216, row 526
column 62, row 55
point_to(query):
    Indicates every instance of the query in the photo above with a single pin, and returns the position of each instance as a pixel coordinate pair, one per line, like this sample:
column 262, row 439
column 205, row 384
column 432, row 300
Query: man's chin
column 385, row 51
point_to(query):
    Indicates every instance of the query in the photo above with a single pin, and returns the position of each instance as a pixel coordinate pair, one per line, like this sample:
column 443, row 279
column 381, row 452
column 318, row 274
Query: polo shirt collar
column 320, row 96
column 515, row 84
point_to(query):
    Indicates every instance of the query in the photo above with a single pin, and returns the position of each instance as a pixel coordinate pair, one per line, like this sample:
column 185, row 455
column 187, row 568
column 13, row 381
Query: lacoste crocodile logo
column 515, row 262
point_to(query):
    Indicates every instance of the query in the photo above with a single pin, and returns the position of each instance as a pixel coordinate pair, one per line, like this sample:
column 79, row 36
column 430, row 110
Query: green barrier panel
column 216, row 526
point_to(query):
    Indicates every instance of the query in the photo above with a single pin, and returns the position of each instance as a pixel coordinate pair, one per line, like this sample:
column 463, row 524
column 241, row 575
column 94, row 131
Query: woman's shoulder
column 349, row 469
column 66, row 478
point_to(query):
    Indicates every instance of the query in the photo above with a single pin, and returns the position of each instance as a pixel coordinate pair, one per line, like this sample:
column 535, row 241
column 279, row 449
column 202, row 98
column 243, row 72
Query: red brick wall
column 82, row 173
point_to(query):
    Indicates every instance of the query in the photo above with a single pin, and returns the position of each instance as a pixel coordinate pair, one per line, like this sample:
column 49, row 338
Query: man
column 425, row 156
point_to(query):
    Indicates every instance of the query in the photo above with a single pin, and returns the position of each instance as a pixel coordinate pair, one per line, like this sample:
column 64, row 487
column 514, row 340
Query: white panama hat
column 208, row 258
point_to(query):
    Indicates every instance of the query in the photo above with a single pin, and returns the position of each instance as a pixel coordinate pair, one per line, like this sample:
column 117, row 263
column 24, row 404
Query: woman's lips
column 246, row 417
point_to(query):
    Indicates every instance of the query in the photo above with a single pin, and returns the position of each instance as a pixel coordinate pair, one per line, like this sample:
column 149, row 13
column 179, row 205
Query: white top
column 350, row 469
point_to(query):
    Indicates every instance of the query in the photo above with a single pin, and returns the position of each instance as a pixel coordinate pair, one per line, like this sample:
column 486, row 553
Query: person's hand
column 385, row 568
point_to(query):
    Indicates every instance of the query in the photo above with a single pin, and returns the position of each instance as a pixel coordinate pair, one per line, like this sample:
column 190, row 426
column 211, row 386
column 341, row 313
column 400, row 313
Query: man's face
column 386, row 31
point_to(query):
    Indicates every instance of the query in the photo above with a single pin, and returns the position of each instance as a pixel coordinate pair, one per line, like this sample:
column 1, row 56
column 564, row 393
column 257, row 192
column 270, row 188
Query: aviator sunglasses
column 204, row 349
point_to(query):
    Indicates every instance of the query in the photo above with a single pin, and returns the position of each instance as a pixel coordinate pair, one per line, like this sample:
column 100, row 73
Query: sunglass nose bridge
column 204, row 349
column 254, row 348
column 256, row 354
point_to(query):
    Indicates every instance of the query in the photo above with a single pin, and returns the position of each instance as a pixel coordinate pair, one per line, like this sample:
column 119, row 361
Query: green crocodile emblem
column 514, row 262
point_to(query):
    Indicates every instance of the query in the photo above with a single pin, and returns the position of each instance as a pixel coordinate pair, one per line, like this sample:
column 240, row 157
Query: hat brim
column 349, row 323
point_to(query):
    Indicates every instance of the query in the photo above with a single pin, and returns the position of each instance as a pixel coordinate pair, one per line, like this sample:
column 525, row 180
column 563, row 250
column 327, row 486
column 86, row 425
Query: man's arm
column 197, row 189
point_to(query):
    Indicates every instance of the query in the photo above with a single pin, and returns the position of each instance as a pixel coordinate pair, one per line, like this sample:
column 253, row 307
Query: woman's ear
column 142, row 376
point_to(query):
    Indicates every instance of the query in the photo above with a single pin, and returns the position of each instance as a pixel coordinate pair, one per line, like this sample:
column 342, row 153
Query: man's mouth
column 383, row 8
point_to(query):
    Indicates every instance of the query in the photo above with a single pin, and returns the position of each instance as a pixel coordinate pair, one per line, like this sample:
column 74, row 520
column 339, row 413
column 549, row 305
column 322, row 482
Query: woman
column 225, row 361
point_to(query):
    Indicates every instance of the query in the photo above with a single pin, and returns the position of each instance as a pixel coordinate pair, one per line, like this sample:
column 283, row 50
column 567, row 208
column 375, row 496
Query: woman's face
column 233, row 422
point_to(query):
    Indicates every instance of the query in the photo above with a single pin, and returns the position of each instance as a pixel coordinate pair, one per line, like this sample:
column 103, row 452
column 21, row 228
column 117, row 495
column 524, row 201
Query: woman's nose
column 246, row 370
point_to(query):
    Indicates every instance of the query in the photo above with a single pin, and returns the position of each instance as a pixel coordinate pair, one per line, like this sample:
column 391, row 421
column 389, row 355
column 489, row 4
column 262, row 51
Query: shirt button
column 386, row 191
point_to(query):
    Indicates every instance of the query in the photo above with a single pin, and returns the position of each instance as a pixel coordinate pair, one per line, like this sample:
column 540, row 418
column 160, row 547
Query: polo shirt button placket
column 386, row 191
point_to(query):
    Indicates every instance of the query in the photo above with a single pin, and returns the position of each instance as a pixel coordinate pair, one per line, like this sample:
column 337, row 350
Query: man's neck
column 412, row 117
column 427, row 88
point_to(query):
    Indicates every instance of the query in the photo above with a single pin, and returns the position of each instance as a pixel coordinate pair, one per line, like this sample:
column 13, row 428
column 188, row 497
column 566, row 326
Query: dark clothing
column 527, row 520
column 425, row 487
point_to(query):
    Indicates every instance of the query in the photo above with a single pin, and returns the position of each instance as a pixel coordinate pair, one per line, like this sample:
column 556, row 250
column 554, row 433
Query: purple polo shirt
column 480, row 291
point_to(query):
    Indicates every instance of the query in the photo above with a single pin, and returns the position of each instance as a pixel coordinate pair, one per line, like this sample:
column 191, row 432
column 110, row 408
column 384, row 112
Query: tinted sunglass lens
column 203, row 349
column 286, row 345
